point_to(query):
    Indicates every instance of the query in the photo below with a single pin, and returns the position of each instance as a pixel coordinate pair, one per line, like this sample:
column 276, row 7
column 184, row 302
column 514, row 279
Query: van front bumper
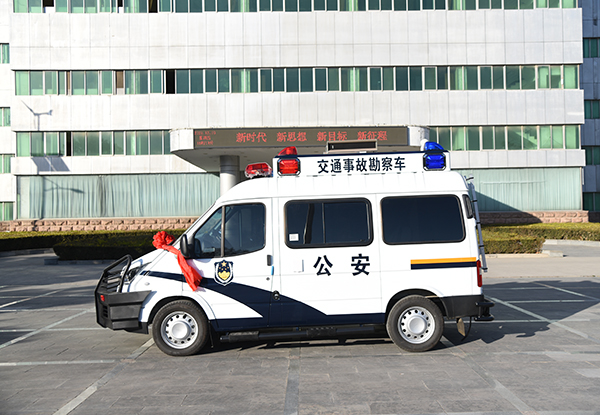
column 117, row 310
column 476, row 306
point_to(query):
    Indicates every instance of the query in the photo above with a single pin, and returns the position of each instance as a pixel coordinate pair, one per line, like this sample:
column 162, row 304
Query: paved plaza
column 540, row 356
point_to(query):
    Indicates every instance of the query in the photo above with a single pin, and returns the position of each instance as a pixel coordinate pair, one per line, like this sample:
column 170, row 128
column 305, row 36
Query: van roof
column 348, row 185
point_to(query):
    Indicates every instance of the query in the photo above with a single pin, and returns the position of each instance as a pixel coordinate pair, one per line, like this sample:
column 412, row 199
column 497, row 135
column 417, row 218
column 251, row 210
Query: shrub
column 108, row 245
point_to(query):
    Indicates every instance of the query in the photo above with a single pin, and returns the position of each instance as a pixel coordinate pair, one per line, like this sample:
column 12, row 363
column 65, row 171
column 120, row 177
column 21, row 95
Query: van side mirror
column 184, row 247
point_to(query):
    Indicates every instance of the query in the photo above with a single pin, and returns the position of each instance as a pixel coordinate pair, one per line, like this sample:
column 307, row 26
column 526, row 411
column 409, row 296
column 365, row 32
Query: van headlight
column 135, row 271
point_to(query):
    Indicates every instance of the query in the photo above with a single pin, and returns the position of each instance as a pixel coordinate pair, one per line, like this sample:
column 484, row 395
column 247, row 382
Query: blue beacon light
column 434, row 158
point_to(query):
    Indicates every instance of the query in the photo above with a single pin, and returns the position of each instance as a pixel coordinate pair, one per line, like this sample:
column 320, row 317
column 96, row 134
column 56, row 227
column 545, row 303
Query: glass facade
column 527, row 137
column 93, row 143
column 253, row 6
column 254, row 80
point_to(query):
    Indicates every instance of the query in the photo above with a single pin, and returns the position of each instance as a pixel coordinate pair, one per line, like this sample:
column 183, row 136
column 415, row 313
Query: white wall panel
column 306, row 29
column 476, row 54
column 252, row 111
column 7, row 188
column 179, row 110
column 515, row 53
column 289, row 109
column 158, row 57
column 290, row 55
column 269, row 28
column 477, row 108
column 555, row 107
column 494, row 26
column 419, row 108
column 553, row 52
column 288, row 27
column 326, row 109
column 382, row 109
column 534, row 53
column 399, row 54
column 215, row 28
column 234, row 113
column 380, row 28
column 457, row 53
column 177, row 57
column 196, row 112
column 345, row 108
column 271, row 114
column 363, row 108
column 252, row 28
column 553, row 20
column 215, row 57
column 438, row 108
column 307, row 109
column 516, row 113
column 534, row 107
column 158, row 33
column 139, row 31
column 361, row 29
column 437, row 28
column 496, row 107
column 417, row 53
column 7, row 141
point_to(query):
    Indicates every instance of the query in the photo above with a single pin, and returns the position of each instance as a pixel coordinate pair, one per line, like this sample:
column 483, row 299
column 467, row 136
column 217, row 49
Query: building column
column 229, row 172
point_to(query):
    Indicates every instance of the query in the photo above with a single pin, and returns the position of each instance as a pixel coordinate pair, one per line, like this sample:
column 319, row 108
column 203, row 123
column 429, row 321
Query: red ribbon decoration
column 162, row 240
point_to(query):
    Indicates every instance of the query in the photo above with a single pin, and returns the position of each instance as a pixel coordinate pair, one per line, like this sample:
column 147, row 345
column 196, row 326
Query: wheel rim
column 416, row 325
column 179, row 330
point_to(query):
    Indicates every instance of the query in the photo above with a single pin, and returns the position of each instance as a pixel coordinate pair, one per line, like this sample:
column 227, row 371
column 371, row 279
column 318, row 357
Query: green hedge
column 513, row 239
column 115, row 244
column 84, row 245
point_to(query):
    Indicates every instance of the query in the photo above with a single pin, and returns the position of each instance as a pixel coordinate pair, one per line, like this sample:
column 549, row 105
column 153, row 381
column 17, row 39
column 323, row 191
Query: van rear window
column 422, row 219
column 328, row 223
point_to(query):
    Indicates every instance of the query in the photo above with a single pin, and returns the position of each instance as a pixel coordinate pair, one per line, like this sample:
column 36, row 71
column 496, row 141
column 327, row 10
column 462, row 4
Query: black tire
column 415, row 324
column 180, row 328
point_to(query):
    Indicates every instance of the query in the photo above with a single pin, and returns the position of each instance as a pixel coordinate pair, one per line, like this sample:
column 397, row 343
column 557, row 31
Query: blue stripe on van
column 444, row 265
column 285, row 312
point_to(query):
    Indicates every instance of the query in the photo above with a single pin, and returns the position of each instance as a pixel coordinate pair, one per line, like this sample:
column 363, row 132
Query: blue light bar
column 434, row 158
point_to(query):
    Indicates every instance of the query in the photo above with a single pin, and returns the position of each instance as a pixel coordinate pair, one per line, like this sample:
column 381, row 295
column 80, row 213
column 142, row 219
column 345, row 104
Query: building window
column 252, row 6
column 528, row 137
column 5, row 162
column 591, row 201
column 4, row 53
column 253, row 80
column 93, row 143
column 5, row 117
column 590, row 47
column 6, row 211
column 592, row 155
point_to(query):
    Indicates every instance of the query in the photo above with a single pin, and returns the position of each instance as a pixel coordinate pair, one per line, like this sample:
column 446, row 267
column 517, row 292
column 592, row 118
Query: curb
column 27, row 252
column 566, row 242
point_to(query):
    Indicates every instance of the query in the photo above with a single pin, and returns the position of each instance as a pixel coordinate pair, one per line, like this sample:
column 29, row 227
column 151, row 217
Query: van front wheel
column 415, row 324
column 180, row 328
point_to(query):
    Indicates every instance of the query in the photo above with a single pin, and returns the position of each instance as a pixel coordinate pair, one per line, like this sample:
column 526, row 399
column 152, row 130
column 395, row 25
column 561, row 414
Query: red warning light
column 288, row 151
column 258, row 170
column 288, row 166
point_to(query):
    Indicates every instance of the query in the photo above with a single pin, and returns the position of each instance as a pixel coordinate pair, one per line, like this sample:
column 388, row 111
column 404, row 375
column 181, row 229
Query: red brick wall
column 52, row 225
column 487, row 218
column 513, row 218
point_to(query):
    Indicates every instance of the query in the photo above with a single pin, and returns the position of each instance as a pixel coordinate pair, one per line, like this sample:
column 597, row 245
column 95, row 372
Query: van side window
column 422, row 219
column 328, row 223
column 244, row 230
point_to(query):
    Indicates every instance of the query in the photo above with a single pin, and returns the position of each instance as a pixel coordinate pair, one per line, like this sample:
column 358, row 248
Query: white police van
column 332, row 245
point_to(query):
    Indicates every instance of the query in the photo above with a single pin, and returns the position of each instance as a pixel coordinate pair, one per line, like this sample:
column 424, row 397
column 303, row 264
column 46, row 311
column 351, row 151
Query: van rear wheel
column 415, row 324
column 180, row 328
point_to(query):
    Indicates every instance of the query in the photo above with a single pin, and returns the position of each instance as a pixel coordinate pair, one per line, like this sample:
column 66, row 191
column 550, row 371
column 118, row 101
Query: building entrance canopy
column 203, row 147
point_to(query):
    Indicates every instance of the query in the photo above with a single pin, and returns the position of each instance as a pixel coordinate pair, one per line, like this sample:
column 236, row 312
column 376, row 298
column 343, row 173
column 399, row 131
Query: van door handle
column 269, row 260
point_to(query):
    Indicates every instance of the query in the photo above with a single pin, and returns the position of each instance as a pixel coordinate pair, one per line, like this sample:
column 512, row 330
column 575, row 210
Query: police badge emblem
column 223, row 272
